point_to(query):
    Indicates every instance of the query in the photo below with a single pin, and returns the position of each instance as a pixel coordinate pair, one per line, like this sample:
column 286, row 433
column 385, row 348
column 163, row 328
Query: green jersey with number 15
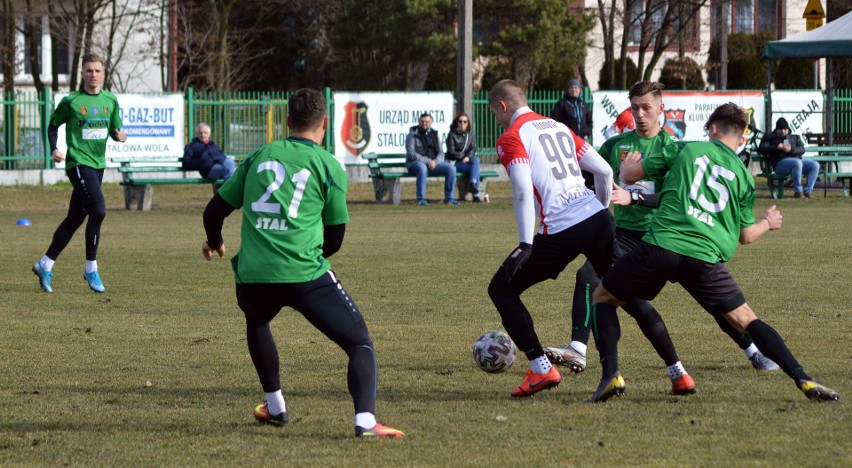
column 288, row 191
column 707, row 197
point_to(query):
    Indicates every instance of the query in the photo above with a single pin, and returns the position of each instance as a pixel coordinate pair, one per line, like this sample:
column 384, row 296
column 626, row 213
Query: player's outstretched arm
column 214, row 217
column 522, row 201
column 332, row 239
column 770, row 221
column 597, row 165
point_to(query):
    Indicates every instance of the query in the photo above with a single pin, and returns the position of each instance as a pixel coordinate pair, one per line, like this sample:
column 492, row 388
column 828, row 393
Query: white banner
column 154, row 125
column 802, row 109
column 379, row 122
column 685, row 112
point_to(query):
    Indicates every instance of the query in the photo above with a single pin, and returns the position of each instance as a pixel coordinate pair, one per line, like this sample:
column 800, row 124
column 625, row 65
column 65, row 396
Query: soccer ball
column 494, row 352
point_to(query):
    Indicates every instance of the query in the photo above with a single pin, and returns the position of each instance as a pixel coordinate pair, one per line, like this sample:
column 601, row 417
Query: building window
column 657, row 13
column 767, row 17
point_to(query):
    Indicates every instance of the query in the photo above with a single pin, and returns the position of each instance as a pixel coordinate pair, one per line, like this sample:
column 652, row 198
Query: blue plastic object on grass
column 23, row 222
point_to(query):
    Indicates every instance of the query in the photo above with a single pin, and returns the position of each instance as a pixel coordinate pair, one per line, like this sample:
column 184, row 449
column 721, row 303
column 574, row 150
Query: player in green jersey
column 293, row 197
column 91, row 115
column 634, row 206
column 706, row 208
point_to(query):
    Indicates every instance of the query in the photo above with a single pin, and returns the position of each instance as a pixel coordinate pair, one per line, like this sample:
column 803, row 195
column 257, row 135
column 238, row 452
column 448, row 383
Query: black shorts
column 594, row 238
column 642, row 273
column 323, row 302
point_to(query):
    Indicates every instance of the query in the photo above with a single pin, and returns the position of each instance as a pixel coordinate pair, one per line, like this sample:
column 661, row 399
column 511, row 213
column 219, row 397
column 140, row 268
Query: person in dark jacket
column 461, row 148
column 424, row 156
column 784, row 151
column 572, row 111
column 202, row 155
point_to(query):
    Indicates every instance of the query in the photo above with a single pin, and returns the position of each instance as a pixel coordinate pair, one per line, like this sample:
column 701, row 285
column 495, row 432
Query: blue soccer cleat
column 44, row 277
column 94, row 280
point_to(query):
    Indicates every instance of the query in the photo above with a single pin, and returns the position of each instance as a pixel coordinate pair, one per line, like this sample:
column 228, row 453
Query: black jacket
column 423, row 146
column 200, row 157
column 460, row 145
column 574, row 113
column 769, row 147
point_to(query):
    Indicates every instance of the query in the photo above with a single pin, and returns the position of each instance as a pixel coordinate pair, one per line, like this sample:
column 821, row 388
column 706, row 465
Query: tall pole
column 173, row 45
column 464, row 63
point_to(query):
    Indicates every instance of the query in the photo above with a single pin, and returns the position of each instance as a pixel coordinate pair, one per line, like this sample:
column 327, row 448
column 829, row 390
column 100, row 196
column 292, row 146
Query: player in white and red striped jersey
column 543, row 159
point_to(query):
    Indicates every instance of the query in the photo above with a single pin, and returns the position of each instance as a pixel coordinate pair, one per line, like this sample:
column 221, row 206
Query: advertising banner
column 379, row 122
column 684, row 113
column 802, row 109
column 154, row 125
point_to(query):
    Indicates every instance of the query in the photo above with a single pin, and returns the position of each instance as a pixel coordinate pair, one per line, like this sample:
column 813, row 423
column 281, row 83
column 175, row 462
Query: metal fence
column 243, row 121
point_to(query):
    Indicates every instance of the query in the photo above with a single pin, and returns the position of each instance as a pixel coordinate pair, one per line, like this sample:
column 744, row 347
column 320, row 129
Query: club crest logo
column 675, row 124
column 95, row 111
column 355, row 131
column 83, row 110
column 750, row 114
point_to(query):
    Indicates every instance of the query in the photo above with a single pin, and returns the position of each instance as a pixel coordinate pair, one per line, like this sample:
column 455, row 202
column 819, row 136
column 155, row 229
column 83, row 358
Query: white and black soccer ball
column 494, row 352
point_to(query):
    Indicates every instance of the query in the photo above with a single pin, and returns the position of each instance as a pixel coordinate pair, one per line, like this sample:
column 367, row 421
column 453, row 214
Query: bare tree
column 32, row 36
column 661, row 24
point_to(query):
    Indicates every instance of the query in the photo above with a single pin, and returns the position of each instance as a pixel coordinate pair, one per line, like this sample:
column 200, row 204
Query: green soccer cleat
column 608, row 388
column 261, row 413
column 817, row 391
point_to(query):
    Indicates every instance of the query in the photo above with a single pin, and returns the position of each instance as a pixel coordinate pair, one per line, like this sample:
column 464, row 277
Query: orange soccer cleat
column 534, row 383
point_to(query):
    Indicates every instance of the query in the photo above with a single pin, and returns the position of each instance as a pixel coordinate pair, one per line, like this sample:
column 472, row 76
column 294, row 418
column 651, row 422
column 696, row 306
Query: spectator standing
column 91, row 115
column 202, row 155
column 424, row 156
column 785, row 150
column 461, row 148
column 573, row 111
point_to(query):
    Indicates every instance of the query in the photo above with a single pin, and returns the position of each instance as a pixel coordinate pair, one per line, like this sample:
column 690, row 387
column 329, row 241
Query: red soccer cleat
column 683, row 385
column 534, row 383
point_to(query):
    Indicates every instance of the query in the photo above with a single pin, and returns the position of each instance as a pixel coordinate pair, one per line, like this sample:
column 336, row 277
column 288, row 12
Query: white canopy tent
column 834, row 40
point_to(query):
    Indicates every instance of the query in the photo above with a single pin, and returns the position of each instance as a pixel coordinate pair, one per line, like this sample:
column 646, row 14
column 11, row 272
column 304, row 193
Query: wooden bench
column 825, row 160
column 139, row 175
column 821, row 139
column 387, row 170
column 773, row 180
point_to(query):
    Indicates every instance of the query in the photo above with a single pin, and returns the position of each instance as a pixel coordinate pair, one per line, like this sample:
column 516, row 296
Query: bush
column 606, row 83
column 682, row 74
column 793, row 74
column 745, row 69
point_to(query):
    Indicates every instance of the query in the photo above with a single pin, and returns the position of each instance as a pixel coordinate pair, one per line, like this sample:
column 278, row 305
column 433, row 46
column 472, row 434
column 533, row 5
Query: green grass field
column 156, row 371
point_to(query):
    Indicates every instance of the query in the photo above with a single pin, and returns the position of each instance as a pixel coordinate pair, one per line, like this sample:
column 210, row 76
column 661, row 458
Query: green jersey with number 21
column 288, row 191
column 707, row 196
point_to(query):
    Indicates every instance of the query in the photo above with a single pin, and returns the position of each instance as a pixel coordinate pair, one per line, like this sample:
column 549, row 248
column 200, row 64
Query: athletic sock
column 275, row 403
column 580, row 347
column 540, row 365
column 91, row 265
column 46, row 263
column 676, row 370
column 770, row 343
column 750, row 351
column 365, row 420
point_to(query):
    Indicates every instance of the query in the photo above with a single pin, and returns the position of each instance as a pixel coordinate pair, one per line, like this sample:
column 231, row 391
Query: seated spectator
column 461, row 148
column 784, row 151
column 202, row 155
column 424, row 156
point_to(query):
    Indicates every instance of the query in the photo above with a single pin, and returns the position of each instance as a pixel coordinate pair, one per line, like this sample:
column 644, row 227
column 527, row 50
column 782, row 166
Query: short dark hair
column 306, row 109
column 426, row 114
column 729, row 118
column 644, row 87
column 92, row 58
column 507, row 91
